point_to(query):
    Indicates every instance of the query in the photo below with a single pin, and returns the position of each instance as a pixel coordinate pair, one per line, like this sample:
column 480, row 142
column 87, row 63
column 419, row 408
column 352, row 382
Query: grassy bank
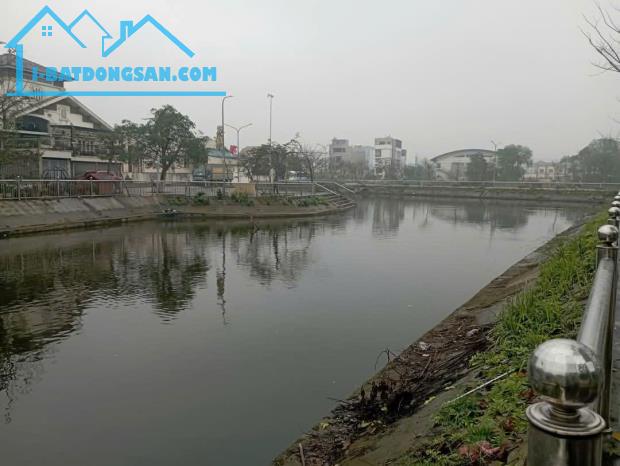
column 485, row 426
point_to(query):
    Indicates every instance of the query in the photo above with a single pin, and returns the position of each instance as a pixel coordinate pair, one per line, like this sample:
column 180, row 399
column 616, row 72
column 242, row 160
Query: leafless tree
column 10, row 105
column 312, row 159
column 603, row 34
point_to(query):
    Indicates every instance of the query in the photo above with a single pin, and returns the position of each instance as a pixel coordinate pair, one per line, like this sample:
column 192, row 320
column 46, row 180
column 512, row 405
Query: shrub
column 201, row 199
column 242, row 198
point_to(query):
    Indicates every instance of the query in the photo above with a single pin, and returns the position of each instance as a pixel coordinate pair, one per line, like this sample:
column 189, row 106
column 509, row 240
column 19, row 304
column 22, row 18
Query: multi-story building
column 341, row 151
column 59, row 137
column 390, row 157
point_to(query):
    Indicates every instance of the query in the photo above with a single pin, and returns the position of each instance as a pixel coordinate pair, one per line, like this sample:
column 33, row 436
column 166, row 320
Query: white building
column 341, row 151
column 453, row 165
column 390, row 157
column 542, row 171
column 67, row 135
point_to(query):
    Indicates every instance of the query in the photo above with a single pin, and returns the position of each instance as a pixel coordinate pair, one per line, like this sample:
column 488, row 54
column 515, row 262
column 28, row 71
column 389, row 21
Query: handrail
column 343, row 187
column 573, row 377
column 327, row 189
column 586, row 184
column 18, row 189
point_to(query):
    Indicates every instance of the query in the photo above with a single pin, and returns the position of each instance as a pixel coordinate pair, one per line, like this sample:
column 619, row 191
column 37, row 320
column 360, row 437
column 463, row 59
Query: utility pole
column 224, row 100
column 270, row 97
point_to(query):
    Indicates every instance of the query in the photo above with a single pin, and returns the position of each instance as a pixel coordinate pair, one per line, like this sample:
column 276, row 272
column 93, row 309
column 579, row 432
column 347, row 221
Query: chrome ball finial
column 565, row 373
column 614, row 212
column 607, row 234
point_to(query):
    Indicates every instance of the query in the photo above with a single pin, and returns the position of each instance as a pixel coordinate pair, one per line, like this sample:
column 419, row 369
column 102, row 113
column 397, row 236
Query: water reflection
column 389, row 213
column 316, row 274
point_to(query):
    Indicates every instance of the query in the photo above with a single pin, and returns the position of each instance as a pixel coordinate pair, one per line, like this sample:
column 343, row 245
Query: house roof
column 465, row 152
column 46, row 10
column 9, row 61
column 53, row 100
column 222, row 154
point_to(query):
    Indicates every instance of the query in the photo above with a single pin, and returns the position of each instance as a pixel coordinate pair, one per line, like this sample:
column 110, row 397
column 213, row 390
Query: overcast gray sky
column 439, row 74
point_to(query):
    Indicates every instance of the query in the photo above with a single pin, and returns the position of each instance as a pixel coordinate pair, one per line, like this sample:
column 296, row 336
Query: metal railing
column 573, row 377
column 563, row 185
column 19, row 189
column 39, row 189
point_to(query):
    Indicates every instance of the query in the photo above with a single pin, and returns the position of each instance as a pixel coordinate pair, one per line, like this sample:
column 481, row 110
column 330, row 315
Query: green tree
column 255, row 161
column 131, row 138
column 511, row 162
column 259, row 160
column 420, row 171
column 198, row 152
column 478, row 168
column 281, row 159
column 598, row 161
column 166, row 139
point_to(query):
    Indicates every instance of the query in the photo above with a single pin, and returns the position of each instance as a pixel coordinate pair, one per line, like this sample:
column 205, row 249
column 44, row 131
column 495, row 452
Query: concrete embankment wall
column 493, row 193
column 39, row 215
column 26, row 216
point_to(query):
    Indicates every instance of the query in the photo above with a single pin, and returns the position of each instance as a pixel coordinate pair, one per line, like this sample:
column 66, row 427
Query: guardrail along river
column 179, row 343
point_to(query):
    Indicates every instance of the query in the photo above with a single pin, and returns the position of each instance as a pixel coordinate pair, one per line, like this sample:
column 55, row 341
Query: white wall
column 56, row 116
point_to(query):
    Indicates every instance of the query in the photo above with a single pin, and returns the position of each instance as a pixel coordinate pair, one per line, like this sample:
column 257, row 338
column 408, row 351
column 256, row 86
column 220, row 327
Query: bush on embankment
column 483, row 427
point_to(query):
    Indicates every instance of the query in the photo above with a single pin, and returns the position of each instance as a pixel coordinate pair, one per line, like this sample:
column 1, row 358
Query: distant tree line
column 599, row 161
column 169, row 138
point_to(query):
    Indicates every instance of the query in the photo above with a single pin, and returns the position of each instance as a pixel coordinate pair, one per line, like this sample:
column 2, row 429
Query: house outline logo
column 127, row 30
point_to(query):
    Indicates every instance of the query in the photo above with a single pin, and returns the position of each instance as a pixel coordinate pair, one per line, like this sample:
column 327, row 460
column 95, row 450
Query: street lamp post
column 270, row 97
column 238, row 130
column 224, row 100
column 495, row 162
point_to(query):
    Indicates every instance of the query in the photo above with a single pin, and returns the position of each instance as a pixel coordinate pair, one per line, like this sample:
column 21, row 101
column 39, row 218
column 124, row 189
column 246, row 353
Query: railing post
column 608, row 247
column 19, row 188
column 614, row 216
column 563, row 431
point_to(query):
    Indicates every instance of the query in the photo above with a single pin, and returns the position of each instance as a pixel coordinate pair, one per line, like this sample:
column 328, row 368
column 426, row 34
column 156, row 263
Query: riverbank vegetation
column 488, row 424
column 243, row 199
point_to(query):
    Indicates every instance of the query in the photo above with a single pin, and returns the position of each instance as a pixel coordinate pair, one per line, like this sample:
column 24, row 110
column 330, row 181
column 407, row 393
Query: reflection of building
column 341, row 151
column 67, row 137
column 542, row 171
column 387, row 215
column 390, row 157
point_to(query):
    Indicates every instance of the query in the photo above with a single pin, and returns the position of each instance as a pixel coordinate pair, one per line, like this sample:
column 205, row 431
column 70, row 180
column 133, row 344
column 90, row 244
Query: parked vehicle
column 101, row 188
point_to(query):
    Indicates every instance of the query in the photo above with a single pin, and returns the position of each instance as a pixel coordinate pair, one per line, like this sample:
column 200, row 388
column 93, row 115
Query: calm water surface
column 218, row 344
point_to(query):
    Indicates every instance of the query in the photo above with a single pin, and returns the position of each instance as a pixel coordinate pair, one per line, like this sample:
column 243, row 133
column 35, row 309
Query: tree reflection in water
column 48, row 283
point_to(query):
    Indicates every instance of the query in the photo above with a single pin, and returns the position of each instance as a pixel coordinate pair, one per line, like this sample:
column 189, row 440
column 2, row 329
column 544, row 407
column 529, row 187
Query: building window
column 63, row 110
column 46, row 31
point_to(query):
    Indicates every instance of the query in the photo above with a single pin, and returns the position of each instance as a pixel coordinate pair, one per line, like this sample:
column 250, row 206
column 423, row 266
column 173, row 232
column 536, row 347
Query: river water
column 185, row 343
